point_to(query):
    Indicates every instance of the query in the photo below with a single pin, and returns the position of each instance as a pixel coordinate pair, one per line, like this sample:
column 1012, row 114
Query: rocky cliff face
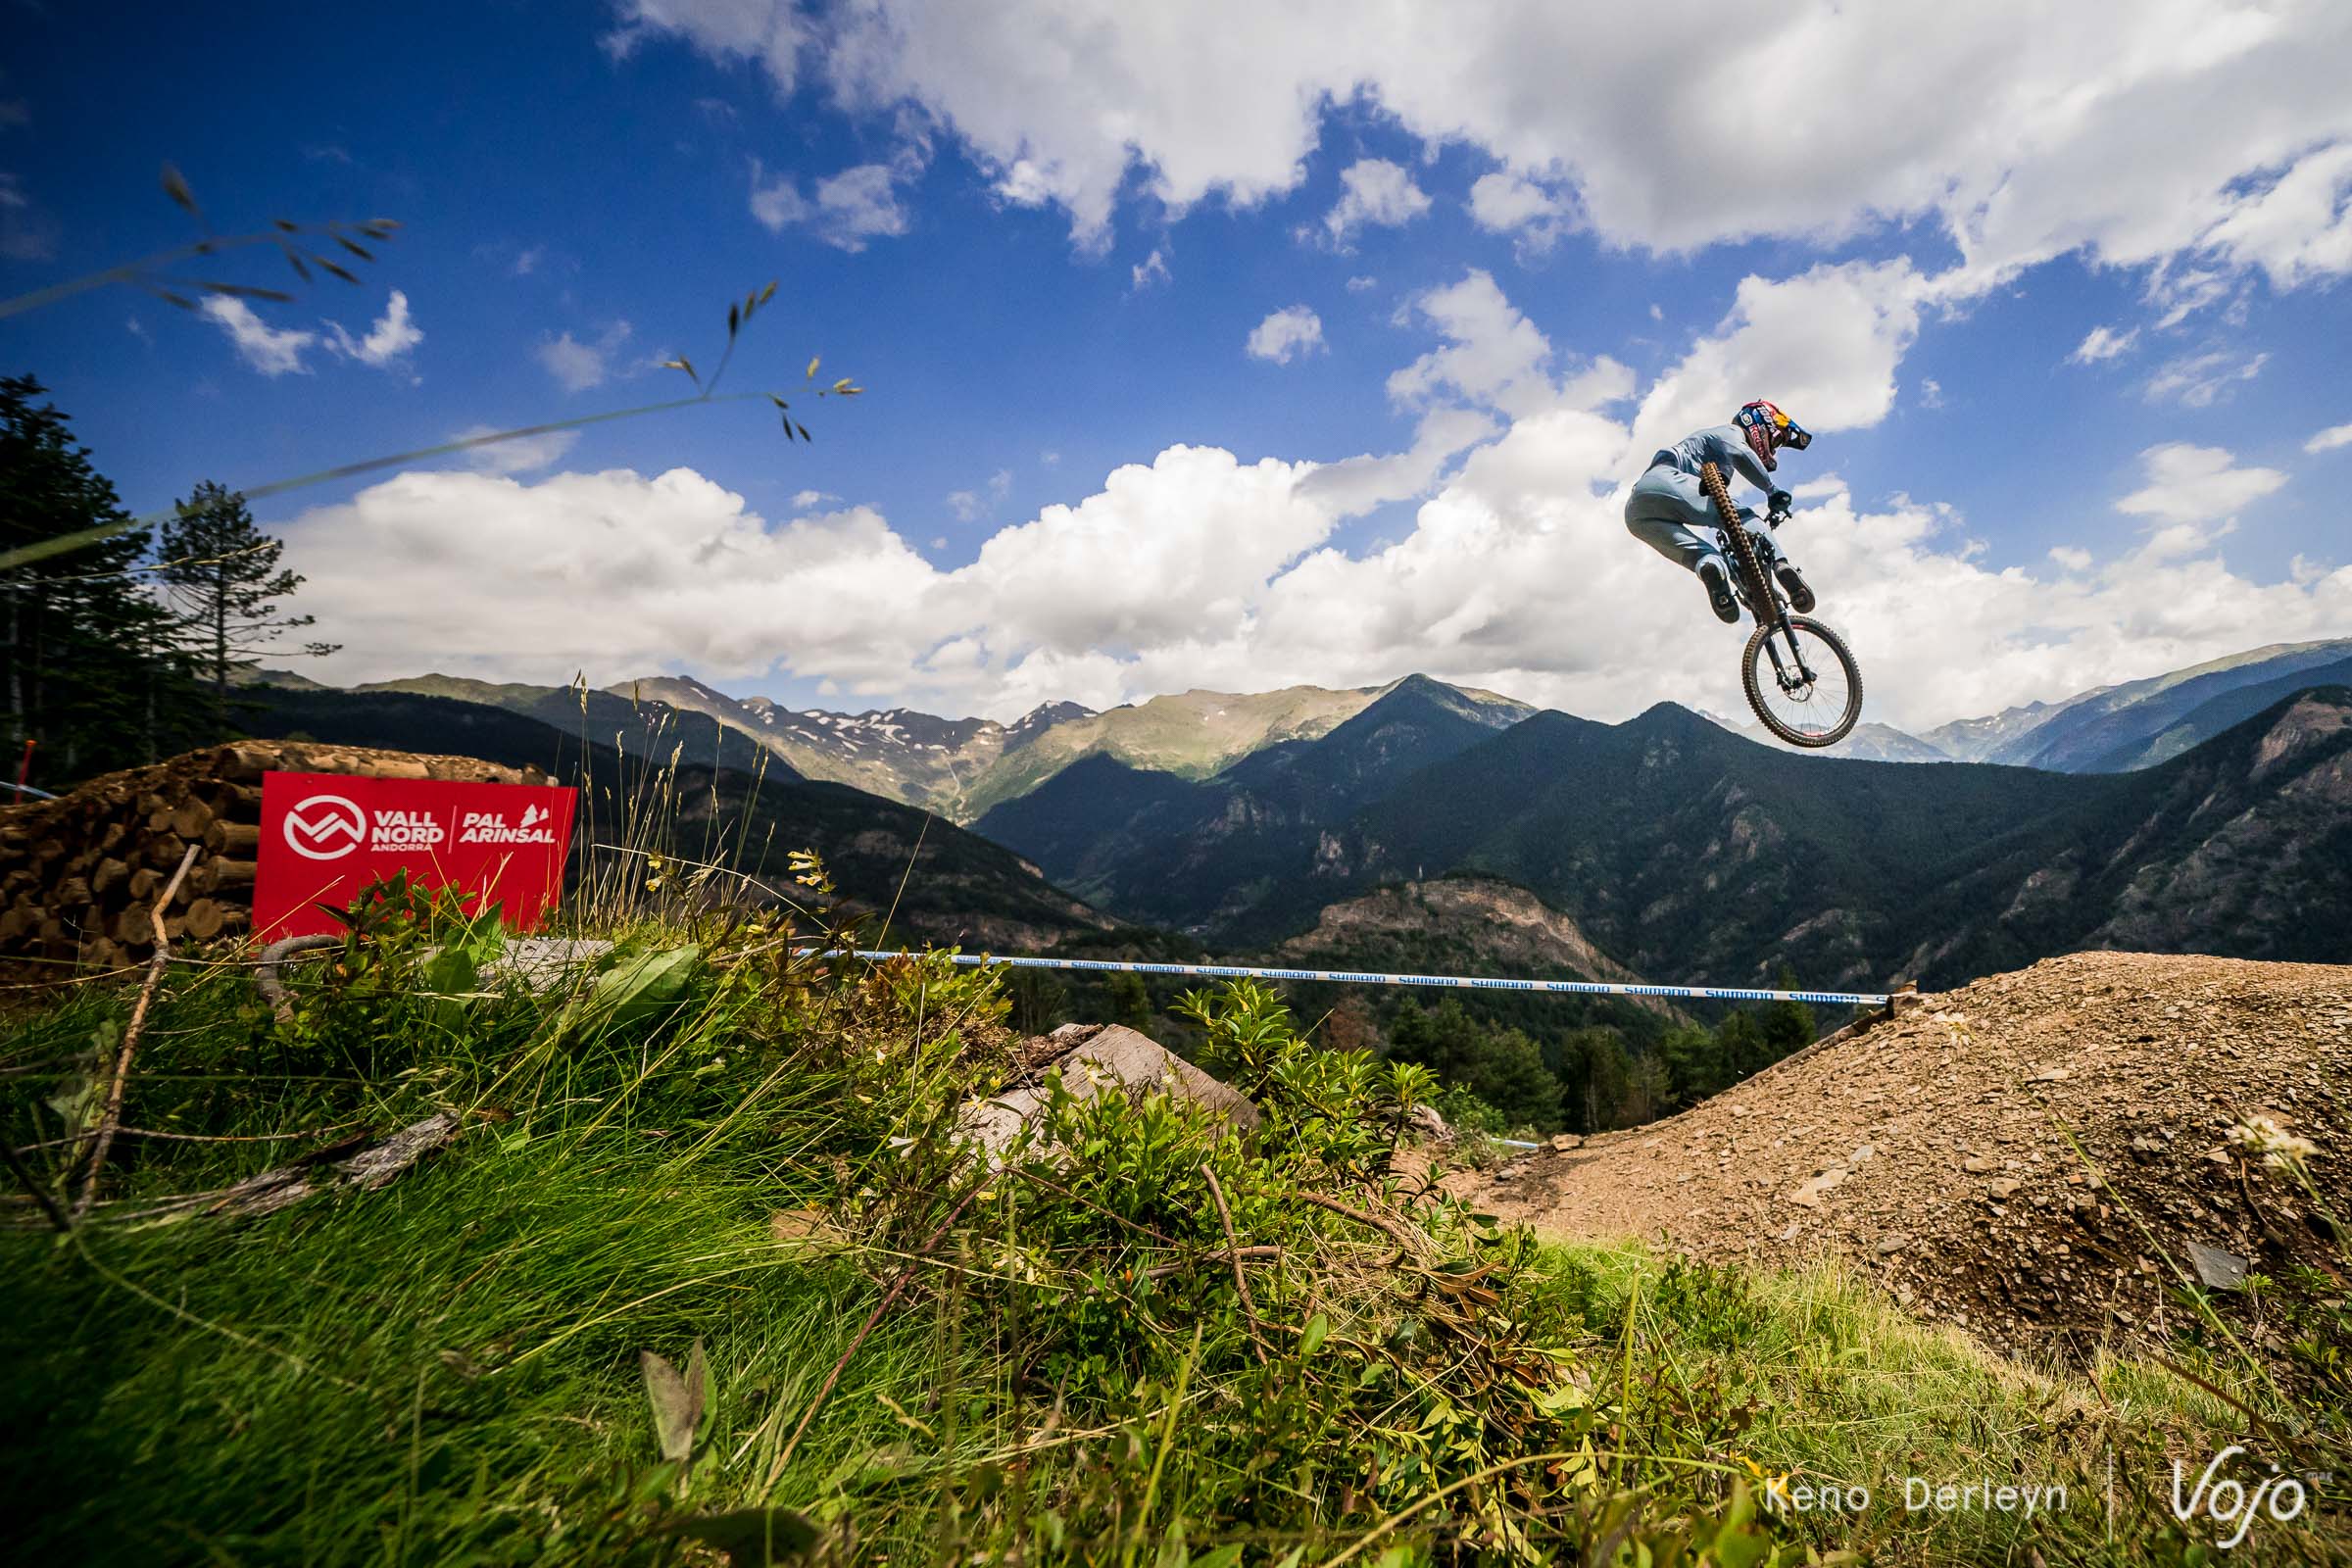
column 1511, row 924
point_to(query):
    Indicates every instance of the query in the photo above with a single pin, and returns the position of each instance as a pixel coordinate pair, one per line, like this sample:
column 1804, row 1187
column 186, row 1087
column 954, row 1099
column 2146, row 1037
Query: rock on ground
column 1093, row 1058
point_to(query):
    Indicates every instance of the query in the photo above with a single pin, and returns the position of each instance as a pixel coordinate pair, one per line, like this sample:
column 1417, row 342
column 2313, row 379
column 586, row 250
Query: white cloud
column 1505, row 202
column 1286, row 332
column 270, row 350
column 770, row 32
column 1823, row 344
column 1492, row 355
column 2299, row 228
column 1202, row 570
column 2327, row 440
column 1931, row 393
column 1373, row 191
column 1153, row 269
column 2200, row 380
column 1198, row 570
column 1358, row 284
column 2048, row 130
column 28, row 232
column 278, row 351
column 523, row 453
column 846, row 209
column 970, row 505
column 387, row 342
column 2185, row 292
column 2102, row 343
column 1163, row 553
column 578, row 366
column 1357, row 484
column 2189, row 485
column 527, row 262
column 803, row 500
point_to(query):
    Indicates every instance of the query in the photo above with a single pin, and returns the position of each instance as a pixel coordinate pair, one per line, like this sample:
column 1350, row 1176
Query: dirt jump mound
column 2044, row 1157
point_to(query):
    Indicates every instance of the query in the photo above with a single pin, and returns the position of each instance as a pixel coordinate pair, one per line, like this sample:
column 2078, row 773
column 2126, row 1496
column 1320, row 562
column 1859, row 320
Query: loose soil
column 2028, row 1156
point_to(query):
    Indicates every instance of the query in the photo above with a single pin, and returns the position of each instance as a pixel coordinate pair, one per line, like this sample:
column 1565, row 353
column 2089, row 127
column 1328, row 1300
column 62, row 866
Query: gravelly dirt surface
column 1938, row 1151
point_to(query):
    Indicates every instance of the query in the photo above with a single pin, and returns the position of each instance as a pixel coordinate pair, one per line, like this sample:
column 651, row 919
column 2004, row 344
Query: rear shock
column 1760, row 600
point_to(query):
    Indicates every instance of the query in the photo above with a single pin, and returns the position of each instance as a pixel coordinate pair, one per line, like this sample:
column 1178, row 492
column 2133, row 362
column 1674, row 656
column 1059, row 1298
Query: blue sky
column 1046, row 235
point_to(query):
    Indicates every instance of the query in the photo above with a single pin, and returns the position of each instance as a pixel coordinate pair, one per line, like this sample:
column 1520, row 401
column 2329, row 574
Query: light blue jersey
column 1668, row 511
column 1724, row 446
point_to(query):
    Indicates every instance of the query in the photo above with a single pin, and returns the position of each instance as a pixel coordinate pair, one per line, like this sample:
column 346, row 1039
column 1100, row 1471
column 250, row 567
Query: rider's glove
column 1780, row 500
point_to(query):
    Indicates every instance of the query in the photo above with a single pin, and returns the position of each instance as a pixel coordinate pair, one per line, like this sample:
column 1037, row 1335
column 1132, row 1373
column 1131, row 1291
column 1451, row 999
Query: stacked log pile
column 80, row 874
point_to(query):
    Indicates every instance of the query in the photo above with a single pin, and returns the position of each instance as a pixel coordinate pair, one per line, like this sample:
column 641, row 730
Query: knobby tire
column 1758, row 657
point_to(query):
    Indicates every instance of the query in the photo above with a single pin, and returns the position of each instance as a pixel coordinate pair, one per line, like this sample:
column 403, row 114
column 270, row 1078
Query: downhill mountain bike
column 1800, row 678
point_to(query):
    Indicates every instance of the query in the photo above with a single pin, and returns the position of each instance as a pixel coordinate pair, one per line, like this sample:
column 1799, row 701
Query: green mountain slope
column 1191, row 735
column 1162, row 849
column 1690, row 855
column 650, row 727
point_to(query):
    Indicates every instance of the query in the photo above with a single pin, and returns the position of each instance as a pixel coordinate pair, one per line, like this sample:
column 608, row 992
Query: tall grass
column 710, row 1139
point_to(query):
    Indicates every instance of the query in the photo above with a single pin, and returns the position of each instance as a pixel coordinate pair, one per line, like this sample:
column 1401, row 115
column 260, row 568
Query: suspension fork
column 1763, row 602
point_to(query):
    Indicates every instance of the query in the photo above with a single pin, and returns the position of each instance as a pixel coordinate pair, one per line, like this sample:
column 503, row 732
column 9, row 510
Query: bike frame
column 1757, row 591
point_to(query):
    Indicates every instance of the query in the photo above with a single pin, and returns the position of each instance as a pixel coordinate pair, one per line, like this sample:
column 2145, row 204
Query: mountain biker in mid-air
column 1669, row 512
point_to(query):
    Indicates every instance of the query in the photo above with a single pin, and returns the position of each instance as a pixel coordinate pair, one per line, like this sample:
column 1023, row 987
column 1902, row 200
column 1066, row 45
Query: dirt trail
column 1933, row 1150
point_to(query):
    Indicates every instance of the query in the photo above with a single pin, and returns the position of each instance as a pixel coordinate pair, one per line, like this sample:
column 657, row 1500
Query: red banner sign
column 324, row 836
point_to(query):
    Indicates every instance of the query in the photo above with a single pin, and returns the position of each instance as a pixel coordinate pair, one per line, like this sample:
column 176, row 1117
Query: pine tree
column 88, row 674
column 222, row 574
column 1130, row 1002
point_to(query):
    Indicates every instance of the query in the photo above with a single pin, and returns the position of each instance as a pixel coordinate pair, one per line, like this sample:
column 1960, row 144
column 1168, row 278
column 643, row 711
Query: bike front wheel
column 1802, row 682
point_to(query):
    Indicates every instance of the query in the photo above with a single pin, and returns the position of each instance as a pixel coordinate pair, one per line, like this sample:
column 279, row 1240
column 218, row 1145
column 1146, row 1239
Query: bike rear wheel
column 1802, row 681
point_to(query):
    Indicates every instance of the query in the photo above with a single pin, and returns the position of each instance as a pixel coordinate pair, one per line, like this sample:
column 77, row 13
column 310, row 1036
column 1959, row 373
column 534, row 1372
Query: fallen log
column 369, row 1167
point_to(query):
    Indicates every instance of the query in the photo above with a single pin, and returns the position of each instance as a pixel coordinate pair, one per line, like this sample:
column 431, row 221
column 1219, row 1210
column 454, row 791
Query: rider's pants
column 1670, row 512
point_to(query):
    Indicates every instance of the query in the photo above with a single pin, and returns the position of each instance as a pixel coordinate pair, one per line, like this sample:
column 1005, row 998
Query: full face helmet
column 1768, row 430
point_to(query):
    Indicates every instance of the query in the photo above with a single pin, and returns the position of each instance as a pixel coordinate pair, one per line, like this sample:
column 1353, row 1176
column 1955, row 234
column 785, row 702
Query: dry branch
column 113, row 1117
column 1233, row 1251
column 1238, row 1255
column 1407, row 1243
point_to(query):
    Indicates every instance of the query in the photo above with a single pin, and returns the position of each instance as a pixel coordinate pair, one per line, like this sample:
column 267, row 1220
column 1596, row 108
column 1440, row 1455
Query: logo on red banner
column 324, row 836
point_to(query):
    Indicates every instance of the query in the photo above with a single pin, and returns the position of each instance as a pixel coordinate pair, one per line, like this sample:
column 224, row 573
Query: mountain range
column 957, row 767
column 2197, row 810
column 1681, row 850
column 964, row 767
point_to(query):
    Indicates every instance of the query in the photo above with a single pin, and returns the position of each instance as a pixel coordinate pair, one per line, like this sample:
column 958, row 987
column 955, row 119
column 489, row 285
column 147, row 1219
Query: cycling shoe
column 1719, row 592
